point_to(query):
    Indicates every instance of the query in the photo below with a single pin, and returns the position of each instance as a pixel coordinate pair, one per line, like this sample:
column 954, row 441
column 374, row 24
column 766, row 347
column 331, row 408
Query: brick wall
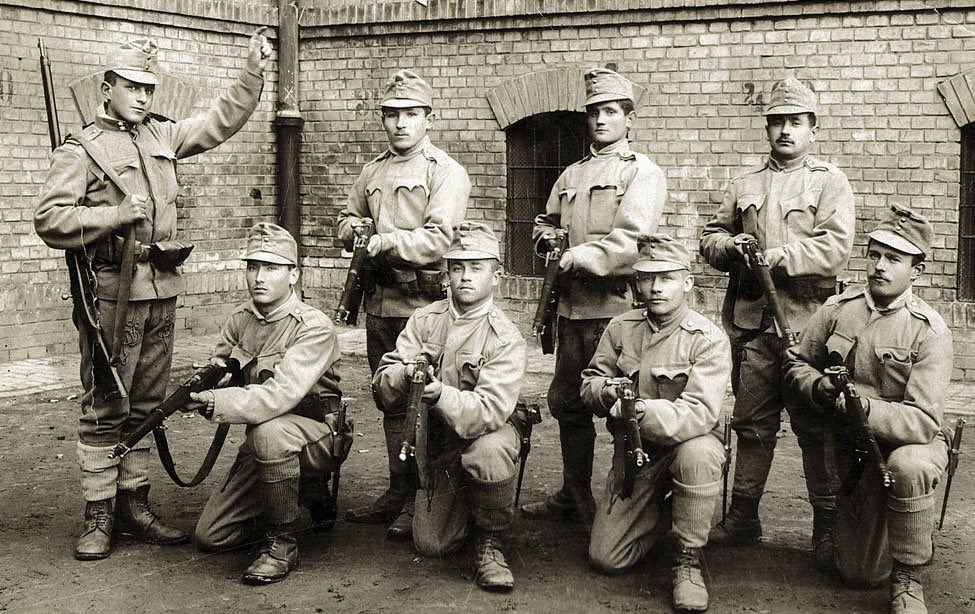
column 202, row 42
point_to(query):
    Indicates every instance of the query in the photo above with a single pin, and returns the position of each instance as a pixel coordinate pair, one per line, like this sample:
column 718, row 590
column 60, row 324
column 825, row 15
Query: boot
column 690, row 592
column 276, row 559
column 136, row 519
column 575, row 499
column 491, row 570
column 96, row 539
column 906, row 594
column 742, row 526
column 823, row 544
column 390, row 504
column 402, row 528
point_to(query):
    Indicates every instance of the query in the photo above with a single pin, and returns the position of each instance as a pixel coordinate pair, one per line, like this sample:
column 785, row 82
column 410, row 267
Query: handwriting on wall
column 758, row 98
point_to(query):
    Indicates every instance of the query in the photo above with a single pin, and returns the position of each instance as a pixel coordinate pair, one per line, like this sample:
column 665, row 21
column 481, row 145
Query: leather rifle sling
column 128, row 252
column 166, row 457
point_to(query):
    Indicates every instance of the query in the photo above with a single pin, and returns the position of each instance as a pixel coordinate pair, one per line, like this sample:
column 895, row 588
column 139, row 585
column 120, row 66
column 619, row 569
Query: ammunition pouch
column 163, row 255
column 615, row 286
column 318, row 406
column 429, row 283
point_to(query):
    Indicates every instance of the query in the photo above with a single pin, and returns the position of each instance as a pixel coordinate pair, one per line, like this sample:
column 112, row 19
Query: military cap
column 268, row 242
column 473, row 241
column 134, row 60
column 604, row 85
column 905, row 230
column 790, row 97
column 407, row 89
column 660, row 253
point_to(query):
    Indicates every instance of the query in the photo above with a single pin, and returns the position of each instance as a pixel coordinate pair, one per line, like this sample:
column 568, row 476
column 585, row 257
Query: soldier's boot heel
column 134, row 518
column 690, row 592
column 906, row 592
column 95, row 541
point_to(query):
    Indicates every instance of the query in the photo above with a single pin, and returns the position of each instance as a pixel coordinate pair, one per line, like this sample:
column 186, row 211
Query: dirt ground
column 353, row 569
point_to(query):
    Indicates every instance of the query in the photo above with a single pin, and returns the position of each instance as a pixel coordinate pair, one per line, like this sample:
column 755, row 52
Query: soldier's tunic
column 806, row 210
column 288, row 361
column 78, row 209
column 604, row 202
column 471, row 448
column 680, row 372
column 900, row 360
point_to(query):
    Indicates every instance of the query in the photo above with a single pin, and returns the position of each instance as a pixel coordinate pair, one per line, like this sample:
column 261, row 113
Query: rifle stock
column 726, row 469
column 414, row 406
column 760, row 267
column 952, row 466
column 204, row 379
column 532, row 416
column 105, row 376
column 348, row 310
column 866, row 440
column 633, row 442
column 543, row 324
column 325, row 513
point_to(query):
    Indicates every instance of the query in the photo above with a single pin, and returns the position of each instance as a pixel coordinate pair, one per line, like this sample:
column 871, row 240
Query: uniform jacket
column 806, row 209
column 479, row 357
column 604, row 202
column 680, row 372
column 415, row 199
column 285, row 356
column 900, row 360
column 78, row 205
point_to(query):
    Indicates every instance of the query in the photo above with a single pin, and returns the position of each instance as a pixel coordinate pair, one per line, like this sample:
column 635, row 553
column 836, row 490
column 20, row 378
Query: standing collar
column 106, row 122
column 473, row 314
column 413, row 151
column 670, row 323
column 620, row 146
column 282, row 311
column 787, row 166
column 895, row 304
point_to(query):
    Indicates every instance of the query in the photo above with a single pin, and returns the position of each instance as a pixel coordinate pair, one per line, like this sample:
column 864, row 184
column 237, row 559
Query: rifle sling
column 162, row 445
column 128, row 250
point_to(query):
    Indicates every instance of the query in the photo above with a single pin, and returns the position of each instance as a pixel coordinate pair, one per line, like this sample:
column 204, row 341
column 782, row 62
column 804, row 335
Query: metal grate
column 539, row 149
column 966, row 216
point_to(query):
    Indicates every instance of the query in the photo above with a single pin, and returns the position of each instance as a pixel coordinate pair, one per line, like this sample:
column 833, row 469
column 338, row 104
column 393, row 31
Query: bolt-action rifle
column 726, row 469
column 528, row 416
column 324, row 513
column 415, row 408
column 105, row 376
column 543, row 324
column 634, row 457
column 865, row 441
column 760, row 267
column 952, row 466
column 348, row 309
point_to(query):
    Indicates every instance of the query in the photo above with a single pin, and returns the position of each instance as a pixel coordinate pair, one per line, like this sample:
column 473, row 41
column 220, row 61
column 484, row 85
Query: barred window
column 539, row 149
column 966, row 216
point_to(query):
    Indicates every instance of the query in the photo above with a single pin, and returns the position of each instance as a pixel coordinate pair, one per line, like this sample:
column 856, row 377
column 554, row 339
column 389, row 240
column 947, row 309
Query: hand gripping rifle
column 865, row 446
column 206, row 378
column 548, row 299
column 952, row 466
column 759, row 266
column 414, row 408
column 348, row 309
column 105, row 376
column 635, row 457
column 528, row 416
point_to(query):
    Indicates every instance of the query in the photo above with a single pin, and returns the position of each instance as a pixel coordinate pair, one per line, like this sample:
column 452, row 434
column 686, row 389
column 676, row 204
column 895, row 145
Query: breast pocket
column 264, row 367
column 799, row 214
column 628, row 364
column 670, row 380
column 603, row 202
column 374, row 199
column 164, row 166
column 469, row 369
column 837, row 349
column 411, row 204
column 897, row 364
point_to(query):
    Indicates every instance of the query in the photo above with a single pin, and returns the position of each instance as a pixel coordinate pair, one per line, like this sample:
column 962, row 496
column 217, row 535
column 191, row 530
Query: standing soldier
column 466, row 458
column 289, row 398
column 415, row 193
column 81, row 208
column 678, row 362
column 800, row 210
column 898, row 352
column 603, row 202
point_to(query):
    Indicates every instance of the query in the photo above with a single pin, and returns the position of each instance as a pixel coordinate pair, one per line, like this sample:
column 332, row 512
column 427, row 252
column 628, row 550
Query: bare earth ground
column 352, row 568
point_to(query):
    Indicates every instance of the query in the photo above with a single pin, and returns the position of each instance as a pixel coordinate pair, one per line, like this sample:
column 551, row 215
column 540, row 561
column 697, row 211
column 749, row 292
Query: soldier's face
column 405, row 128
column 270, row 284
column 128, row 100
column 608, row 123
column 790, row 136
column 889, row 272
column 472, row 282
column 664, row 292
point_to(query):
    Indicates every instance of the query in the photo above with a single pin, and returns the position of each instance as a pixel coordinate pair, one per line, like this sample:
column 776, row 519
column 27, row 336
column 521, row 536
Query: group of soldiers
column 429, row 292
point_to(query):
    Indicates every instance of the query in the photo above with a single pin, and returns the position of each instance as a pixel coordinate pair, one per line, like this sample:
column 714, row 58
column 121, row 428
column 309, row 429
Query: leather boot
column 906, row 593
column 96, row 538
column 823, row 544
column 388, row 506
column 402, row 528
column 574, row 501
column 277, row 557
column 491, row 570
column 690, row 592
column 136, row 519
column 742, row 526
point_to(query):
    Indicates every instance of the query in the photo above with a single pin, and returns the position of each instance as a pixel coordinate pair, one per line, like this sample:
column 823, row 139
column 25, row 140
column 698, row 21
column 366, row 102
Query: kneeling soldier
column 898, row 352
column 679, row 363
column 466, row 458
column 287, row 351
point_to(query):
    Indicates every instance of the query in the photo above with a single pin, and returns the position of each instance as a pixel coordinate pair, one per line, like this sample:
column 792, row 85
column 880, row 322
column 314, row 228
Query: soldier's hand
column 739, row 244
column 610, row 392
column 774, row 256
column 132, row 210
column 198, row 401
column 825, row 391
column 433, row 389
column 374, row 246
column 616, row 411
column 258, row 51
column 565, row 263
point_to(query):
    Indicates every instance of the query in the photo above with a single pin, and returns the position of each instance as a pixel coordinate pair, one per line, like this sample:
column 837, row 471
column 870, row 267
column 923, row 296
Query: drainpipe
column 288, row 121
